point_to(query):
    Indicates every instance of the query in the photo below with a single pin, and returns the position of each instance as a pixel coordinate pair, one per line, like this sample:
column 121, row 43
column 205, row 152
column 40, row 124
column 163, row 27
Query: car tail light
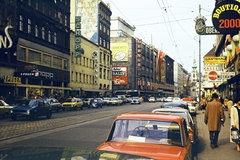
column 190, row 133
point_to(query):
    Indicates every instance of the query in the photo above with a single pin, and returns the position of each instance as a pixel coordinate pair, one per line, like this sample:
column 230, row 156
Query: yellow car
column 114, row 101
column 4, row 109
column 72, row 104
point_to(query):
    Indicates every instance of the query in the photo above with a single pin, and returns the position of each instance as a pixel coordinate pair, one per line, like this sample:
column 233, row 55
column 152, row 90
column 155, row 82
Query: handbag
column 235, row 135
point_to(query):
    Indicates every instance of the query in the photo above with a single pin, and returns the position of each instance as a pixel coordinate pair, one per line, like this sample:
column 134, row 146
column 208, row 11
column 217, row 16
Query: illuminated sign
column 226, row 17
column 11, row 79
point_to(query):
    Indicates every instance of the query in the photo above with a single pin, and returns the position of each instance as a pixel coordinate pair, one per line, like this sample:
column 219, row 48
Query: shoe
column 213, row 146
column 216, row 145
column 238, row 147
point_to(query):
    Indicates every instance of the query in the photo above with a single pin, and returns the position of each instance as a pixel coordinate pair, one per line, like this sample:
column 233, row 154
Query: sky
column 169, row 25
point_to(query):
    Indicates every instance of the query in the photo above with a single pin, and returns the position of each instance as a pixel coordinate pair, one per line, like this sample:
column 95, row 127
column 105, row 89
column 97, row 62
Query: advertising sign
column 119, row 52
column 214, row 60
column 120, row 75
column 226, row 17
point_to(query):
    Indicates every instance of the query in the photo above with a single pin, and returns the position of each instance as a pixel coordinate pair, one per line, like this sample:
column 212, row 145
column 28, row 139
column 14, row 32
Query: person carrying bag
column 235, row 114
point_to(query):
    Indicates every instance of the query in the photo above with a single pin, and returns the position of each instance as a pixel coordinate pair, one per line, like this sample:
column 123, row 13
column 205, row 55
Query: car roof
column 150, row 116
column 170, row 110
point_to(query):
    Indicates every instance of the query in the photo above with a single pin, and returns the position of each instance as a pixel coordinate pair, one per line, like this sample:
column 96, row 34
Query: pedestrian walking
column 235, row 114
column 225, row 103
column 229, row 105
column 203, row 104
column 213, row 118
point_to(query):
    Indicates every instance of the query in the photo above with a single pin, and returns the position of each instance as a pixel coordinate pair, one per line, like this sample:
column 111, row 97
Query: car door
column 40, row 107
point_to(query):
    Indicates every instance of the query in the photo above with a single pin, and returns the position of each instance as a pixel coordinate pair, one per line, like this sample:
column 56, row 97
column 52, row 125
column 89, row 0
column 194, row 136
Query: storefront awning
column 43, row 87
column 234, row 79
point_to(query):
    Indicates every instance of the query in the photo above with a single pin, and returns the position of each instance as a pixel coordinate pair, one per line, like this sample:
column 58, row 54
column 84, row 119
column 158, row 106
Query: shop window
column 21, row 54
column 46, row 60
column 34, row 57
column 57, row 63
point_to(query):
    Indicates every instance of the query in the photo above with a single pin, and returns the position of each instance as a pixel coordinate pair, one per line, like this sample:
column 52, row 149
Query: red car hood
column 157, row 151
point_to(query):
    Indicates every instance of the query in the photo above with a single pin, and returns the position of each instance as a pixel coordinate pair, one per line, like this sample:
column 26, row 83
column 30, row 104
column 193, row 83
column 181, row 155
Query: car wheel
column 81, row 107
column 49, row 115
column 14, row 117
column 63, row 109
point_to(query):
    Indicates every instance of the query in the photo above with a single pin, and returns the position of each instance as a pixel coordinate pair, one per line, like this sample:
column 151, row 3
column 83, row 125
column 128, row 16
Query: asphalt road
column 88, row 128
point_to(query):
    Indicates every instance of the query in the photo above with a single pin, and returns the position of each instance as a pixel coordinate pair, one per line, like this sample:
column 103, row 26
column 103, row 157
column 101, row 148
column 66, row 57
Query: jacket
column 213, row 115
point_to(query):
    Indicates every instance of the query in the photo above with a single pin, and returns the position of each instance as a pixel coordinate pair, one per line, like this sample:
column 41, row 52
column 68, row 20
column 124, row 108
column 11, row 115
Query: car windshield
column 145, row 131
column 173, row 105
column 28, row 103
column 70, row 100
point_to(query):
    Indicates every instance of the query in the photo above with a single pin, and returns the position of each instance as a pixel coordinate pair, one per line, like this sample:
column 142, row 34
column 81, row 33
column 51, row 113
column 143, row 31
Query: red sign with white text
column 120, row 75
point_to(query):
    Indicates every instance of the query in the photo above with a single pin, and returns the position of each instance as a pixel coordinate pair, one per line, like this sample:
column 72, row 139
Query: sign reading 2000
column 226, row 17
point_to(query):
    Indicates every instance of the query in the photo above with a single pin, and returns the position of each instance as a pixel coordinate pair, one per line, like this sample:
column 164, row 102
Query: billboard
column 215, row 60
column 119, row 52
column 88, row 10
column 120, row 75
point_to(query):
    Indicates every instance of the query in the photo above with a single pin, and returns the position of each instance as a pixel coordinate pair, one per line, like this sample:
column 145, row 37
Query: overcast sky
column 168, row 25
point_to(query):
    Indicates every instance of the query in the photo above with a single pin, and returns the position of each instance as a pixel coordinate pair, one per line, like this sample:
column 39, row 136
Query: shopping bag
column 235, row 135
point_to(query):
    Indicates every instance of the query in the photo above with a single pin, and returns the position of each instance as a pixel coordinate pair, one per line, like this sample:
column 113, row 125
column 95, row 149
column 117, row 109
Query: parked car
column 4, row 109
column 152, row 99
column 56, row 106
column 176, row 99
column 158, row 99
column 155, row 135
column 129, row 99
column 193, row 108
column 32, row 109
column 169, row 99
column 62, row 153
column 105, row 100
column 135, row 100
column 96, row 103
column 174, row 105
column 87, row 101
column 72, row 104
column 192, row 127
column 114, row 101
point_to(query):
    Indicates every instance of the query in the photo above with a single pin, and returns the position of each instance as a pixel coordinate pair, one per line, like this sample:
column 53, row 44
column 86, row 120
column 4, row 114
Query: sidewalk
column 225, row 151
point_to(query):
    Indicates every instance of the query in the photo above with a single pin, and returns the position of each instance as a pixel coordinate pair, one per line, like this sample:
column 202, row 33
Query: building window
column 55, row 38
column 60, row 17
column 104, row 43
column 36, row 4
column 34, row 57
column 43, row 33
column 46, row 60
column 72, row 76
column 57, row 63
column 29, row 2
column 100, row 27
column 36, row 30
column 104, row 29
column 100, row 41
column 43, row 8
column 108, row 46
column 76, row 77
column 21, row 54
column 65, row 20
column 49, row 36
column 55, row 13
column 65, row 61
column 20, row 23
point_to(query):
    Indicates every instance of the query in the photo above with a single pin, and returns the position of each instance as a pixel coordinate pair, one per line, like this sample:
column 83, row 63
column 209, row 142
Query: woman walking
column 235, row 114
column 203, row 104
column 229, row 104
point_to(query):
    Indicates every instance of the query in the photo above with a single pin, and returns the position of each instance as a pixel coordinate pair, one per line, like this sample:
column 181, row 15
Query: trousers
column 213, row 138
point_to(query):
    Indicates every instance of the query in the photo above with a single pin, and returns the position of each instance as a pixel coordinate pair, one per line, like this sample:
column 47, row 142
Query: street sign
column 228, row 73
column 212, row 75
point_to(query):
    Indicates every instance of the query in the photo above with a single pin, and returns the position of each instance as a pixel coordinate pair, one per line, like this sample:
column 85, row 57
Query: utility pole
column 200, row 75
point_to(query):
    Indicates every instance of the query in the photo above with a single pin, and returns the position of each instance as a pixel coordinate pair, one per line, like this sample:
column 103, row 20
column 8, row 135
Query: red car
column 155, row 135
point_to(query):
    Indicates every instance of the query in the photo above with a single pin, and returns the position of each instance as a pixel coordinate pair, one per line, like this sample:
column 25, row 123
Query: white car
column 176, row 99
column 169, row 99
column 193, row 108
column 192, row 127
column 135, row 100
column 152, row 99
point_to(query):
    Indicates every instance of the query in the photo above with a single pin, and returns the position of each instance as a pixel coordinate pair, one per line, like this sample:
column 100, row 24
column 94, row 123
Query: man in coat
column 213, row 118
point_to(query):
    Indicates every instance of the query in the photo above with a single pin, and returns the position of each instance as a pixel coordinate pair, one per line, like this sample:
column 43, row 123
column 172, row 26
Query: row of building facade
column 60, row 48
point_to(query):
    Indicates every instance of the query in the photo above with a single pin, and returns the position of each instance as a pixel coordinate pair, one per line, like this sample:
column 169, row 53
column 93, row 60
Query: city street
column 88, row 128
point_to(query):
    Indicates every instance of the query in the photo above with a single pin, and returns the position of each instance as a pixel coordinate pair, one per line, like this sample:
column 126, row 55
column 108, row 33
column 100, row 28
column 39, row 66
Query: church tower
column 194, row 77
